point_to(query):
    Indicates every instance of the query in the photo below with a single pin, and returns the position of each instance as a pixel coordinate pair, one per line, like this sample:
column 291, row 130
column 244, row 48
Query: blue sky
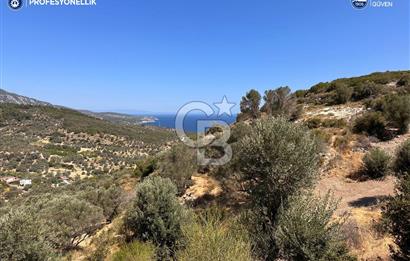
column 156, row 55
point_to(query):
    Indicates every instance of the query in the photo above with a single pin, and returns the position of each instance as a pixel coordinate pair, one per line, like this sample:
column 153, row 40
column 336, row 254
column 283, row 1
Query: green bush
column 69, row 221
column 277, row 158
column 314, row 123
column 22, row 238
column 372, row 123
column 306, row 230
column 178, row 164
column 212, row 237
column 135, row 251
column 365, row 90
column 320, row 87
column 402, row 161
column 300, row 93
column 145, row 167
column 238, row 131
column 343, row 93
column 397, row 215
column 342, row 142
column 376, row 164
column 156, row 215
column 108, row 199
column 404, row 81
column 397, row 111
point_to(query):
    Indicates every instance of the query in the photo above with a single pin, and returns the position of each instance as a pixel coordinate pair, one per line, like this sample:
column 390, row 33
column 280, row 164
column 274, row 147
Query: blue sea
column 190, row 122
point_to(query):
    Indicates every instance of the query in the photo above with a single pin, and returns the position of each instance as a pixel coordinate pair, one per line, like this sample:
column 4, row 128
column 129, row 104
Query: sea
column 190, row 121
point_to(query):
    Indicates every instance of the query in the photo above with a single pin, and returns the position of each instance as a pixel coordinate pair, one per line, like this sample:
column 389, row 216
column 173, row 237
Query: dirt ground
column 361, row 200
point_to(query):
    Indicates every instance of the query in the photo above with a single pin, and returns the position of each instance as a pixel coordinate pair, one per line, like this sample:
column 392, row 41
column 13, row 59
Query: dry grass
column 373, row 245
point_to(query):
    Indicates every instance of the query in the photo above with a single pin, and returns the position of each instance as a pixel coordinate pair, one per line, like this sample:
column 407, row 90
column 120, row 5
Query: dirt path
column 356, row 194
column 392, row 145
column 361, row 200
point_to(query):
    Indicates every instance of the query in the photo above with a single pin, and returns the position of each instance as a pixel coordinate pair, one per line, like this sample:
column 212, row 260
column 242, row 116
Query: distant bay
column 190, row 122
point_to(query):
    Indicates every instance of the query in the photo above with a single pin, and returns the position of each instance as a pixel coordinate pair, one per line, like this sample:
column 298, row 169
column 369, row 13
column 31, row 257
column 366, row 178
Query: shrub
column 334, row 123
column 342, row 142
column 135, row 251
column 397, row 215
column 300, row 93
column 179, row 164
column 213, row 238
column 69, row 221
column 320, row 87
column 324, row 137
column 372, row 123
column 402, row 161
column 306, row 230
column 376, row 163
column 296, row 112
column 404, row 81
column 365, row 90
column 343, row 93
column 313, row 123
column 108, row 199
column 22, row 238
column 145, row 167
column 238, row 131
column 277, row 158
column 156, row 215
column 397, row 111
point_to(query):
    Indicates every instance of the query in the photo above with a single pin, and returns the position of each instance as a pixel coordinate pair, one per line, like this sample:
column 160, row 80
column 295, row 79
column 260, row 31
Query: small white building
column 10, row 179
column 25, row 182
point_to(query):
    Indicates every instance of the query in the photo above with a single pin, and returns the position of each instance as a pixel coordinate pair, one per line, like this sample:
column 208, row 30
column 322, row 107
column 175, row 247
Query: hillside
column 8, row 97
column 298, row 179
column 343, row 150
column 48, row 142
column 120, row 118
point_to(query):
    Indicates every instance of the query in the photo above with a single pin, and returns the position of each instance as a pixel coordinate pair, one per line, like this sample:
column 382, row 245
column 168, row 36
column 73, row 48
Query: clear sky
column 156, row 55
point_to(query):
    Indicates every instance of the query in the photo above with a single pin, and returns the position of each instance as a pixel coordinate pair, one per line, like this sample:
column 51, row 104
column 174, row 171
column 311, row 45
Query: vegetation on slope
column 275, row 167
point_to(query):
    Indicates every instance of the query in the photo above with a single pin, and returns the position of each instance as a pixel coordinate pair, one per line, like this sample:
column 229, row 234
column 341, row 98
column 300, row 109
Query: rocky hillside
column 341, row 114
column 8, row 97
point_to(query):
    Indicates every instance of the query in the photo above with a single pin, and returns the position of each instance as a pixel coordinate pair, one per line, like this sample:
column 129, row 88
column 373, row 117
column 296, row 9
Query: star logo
column 224, row 107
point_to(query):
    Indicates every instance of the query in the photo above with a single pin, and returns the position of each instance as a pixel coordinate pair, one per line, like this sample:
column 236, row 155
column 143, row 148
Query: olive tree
column 108, row 199
column 178, row 164
column 307, row 231
column 277, row 158
column 156, row 215
column 70, row 220
column 22, row 237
